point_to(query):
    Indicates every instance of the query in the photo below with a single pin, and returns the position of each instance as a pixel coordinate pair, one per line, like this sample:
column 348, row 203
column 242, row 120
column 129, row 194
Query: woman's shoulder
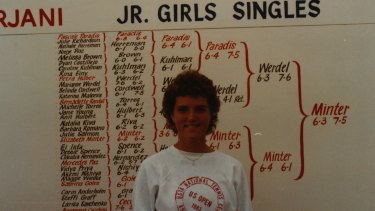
column 159, row 157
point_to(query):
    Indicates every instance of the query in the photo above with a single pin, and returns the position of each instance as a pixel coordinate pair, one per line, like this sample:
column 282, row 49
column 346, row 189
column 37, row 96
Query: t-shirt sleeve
column 144, row 191
column 243, row 191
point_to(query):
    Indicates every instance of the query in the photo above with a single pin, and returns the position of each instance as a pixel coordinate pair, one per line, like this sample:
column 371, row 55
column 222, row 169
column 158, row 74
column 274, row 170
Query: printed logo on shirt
column 199, row 193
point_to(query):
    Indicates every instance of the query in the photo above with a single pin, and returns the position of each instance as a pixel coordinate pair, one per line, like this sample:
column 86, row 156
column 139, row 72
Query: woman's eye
column 201, row 109
column 182, row 110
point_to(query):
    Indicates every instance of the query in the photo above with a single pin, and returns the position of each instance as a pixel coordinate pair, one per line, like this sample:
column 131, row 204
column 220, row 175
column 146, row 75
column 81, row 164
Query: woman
column 189, row 175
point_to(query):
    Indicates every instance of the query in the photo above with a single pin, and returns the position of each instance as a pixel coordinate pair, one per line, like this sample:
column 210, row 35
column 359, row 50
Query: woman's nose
column 192, row 115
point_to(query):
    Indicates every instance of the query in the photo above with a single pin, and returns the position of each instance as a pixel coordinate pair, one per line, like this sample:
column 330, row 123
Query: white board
column 296, row 91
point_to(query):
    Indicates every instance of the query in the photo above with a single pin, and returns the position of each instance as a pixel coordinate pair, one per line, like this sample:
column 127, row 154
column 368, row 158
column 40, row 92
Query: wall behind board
column 81, row 84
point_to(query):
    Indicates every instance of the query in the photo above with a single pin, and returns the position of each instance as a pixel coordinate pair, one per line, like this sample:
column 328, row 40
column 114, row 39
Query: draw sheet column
column 83, row 121
column 129, row 87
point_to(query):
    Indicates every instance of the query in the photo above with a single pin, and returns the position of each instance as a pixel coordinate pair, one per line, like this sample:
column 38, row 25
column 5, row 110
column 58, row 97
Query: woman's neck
column 194, row 147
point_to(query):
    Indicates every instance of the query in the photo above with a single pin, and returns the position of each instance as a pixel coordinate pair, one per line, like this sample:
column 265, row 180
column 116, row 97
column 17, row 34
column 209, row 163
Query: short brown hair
column 191, row 83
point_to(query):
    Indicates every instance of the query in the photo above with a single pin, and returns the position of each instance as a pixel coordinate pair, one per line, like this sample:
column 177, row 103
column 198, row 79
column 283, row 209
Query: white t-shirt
column 169, row 181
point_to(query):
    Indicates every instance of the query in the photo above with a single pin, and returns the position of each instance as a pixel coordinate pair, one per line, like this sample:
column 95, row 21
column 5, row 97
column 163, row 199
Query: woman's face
column 191, row 116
